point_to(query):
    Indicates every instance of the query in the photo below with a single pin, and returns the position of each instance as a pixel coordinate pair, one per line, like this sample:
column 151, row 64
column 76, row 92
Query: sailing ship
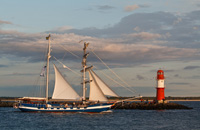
column 97, row 102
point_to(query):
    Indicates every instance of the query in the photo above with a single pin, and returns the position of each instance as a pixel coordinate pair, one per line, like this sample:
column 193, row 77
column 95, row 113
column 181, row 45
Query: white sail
column 62, row 89
column 104, row 87
column 96, row 93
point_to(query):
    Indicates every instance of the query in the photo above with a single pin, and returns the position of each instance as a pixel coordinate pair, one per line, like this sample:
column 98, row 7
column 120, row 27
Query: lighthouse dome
column 160, row 74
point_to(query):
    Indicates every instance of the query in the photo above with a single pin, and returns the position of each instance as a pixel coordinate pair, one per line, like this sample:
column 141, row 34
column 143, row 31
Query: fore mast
column 48, row 57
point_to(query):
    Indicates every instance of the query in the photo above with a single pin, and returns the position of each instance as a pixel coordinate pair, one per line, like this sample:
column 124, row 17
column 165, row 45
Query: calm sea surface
column 11, row 119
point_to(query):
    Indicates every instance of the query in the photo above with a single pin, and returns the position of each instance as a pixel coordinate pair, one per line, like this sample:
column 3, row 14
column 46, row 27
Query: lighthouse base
column 160, row 94
column 162, row 101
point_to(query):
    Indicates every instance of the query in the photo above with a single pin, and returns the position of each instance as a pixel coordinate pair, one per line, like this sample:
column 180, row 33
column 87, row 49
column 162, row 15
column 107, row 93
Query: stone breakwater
column 148, row 106
column 6, row 104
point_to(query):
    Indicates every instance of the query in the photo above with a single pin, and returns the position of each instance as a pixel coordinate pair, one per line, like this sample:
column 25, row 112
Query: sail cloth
column 96, row 93
column 104, row 87
column 62, row 89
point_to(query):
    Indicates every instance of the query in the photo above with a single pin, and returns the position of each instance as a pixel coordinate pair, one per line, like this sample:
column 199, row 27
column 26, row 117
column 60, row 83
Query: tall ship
column 97, row 101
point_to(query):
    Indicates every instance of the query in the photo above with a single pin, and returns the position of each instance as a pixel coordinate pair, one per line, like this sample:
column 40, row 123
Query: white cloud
column 63, row 28
column 144, row 35
column 105, row 7
column 178, row 20
column 130, row 8
column 137, row 29
column 114, row 50
column 4, row 22
column 195, row 28
column 123, row 42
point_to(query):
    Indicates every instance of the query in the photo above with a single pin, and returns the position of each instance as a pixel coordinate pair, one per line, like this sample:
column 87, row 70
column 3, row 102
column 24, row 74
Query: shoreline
column 113, row 100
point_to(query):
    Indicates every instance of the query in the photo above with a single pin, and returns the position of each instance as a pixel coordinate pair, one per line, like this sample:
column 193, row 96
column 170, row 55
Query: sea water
column 12, row 119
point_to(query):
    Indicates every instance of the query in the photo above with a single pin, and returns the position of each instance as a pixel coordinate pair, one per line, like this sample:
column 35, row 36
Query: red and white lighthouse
column 160, row 96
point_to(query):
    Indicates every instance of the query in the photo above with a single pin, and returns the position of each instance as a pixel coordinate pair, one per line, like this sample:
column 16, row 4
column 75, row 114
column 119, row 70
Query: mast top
column 48, row 37
column 86, row 45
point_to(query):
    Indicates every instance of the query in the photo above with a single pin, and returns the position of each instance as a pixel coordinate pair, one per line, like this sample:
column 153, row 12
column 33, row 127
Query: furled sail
column 62, row 89
column 96, row 93
column 104, row 87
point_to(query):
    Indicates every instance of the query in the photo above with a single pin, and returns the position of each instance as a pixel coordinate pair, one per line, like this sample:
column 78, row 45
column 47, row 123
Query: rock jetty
column 6, row 104
column 148, row 106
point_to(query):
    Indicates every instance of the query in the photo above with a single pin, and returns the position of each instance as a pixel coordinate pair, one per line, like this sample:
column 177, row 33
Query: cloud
column 105, row 7
column 137, row 29
column 144, row 5
column 63, row 28
column 198, row 5
column 130, row 8
column 144, row 35
column 33, row 46
column 194, row 77
column 163, row 70
column 195, row 28
column 144, row 22
column 101, row 8
column 20, row 74
column 169, row 70
column 140, row 77
column 191, row 67
column 3, row 66
column 176, row 75
column 159, row 23
column 178, row 20
column 137, row 38
column 4, row 22
column 179, row 83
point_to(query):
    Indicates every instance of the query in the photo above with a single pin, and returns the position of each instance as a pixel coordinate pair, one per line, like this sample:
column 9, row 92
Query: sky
column 134, row 38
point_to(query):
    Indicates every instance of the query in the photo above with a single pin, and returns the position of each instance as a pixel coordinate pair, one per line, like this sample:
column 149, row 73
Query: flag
column 43, row 71
column 47, row 38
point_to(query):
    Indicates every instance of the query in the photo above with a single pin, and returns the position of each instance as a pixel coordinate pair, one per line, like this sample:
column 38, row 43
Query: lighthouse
column 160, row 95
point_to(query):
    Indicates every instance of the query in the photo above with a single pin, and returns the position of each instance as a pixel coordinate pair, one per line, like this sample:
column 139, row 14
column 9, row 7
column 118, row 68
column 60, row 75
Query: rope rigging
column 128, row 87
column 115, row 81
column 64, row 66
column 112, row 70
column 39, row 82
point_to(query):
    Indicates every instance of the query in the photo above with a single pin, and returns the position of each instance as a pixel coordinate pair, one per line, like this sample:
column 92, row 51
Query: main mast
column 84, row 69
column 48, row 57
